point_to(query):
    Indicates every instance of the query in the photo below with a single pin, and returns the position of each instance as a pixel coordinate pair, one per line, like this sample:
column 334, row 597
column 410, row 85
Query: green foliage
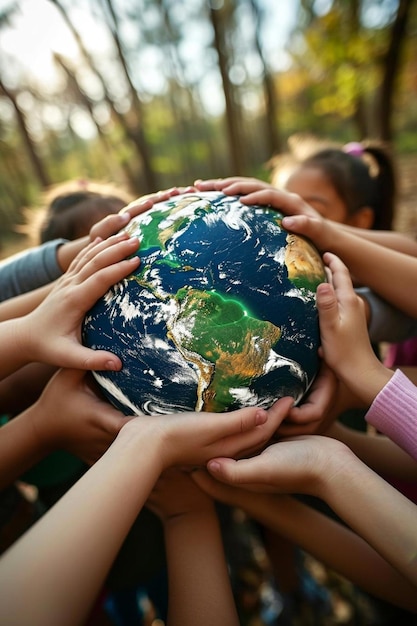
column 336, row 63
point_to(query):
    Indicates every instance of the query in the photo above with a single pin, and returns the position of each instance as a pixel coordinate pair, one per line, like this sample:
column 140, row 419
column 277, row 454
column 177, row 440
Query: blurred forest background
column 149, row 94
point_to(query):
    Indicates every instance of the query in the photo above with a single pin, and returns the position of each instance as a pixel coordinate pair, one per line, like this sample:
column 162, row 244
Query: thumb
column 239, row 473
column 327, row 304
column 81, row 357
column 217, row 490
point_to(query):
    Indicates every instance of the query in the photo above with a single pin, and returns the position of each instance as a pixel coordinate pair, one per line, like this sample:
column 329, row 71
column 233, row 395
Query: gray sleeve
column 387, row 323
column 29, row 269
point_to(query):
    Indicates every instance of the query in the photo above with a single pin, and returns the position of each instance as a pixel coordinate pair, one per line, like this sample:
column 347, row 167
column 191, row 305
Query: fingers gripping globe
column 219, row 315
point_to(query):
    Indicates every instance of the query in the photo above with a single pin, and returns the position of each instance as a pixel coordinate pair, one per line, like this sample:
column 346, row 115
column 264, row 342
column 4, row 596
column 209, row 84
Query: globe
column 219, row 315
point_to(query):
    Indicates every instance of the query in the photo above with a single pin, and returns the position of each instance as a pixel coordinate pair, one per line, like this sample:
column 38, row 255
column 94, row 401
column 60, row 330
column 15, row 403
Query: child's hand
column 70, row 415
column 254, row 191
column 141, row 204
column 345, row 343
column 307, row 222
column 233, row 185
column 176, row 494
column 193, row 438
column 297, row 465
column 315, row 412
column 52, row 331
column 112, row 224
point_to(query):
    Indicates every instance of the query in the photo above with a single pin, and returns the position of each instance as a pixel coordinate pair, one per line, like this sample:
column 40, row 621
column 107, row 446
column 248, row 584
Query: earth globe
column 219, row 315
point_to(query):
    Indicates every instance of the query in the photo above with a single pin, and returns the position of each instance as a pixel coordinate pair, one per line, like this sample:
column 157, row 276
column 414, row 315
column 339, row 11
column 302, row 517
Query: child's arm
column 378, row 452
column 75, row 543
column 325, row 539
column 22, row 388
column 68, row 415
column 199, row 583
column 388, row 238
column 327, row 469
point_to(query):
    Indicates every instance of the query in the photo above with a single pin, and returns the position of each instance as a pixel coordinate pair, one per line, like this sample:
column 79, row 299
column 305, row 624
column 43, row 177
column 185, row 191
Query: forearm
column 75, row 543
column 22, row 388
column 333, row 544
column 365, row 382
column 15, row 346
column 204, row 598
column 23, row 304
column 388, row 272
column 381, row 514
column 20, row 447
column 378, row 452
column 387, row 238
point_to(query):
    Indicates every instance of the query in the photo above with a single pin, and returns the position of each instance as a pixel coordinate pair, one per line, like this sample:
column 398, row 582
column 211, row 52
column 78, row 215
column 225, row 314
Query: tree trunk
column 130, row 131
column 272, row 142
column 37, row 164
column 236, row 152
column 391, row 64
column 138, row 132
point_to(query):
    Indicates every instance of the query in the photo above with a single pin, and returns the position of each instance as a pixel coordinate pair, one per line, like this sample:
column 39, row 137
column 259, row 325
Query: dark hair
column 69, row 215
column 365, row 179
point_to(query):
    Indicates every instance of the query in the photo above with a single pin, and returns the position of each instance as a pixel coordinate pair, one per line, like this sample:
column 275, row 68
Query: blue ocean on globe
column 219, row 315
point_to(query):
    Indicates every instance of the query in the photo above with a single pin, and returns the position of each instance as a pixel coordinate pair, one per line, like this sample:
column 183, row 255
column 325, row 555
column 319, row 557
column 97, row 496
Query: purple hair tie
column 354, row 148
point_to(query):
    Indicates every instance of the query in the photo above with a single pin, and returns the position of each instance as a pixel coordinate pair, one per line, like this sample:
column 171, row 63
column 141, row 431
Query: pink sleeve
column 394, row 412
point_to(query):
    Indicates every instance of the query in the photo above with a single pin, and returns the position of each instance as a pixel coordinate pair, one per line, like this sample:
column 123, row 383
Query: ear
column 364, row 218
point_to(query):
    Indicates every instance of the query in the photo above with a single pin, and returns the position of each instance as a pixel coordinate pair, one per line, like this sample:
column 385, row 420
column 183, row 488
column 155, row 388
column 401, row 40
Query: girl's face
column 314, row 188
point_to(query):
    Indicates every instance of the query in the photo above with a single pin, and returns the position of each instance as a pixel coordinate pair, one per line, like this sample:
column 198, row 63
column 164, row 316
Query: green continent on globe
column 229, row 347
column 160, row 225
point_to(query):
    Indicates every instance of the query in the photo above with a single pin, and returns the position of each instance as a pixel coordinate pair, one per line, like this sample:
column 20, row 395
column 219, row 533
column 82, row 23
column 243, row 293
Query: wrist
column 20, row 340
column 190, row 524
column 190, row 516
column 368, row 381
column 68, row 251
column 140, row 436
column 331, row 475
column 45, row 439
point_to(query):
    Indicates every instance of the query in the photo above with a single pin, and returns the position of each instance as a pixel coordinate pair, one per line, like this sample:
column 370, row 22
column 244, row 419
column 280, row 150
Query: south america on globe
column 219, row 315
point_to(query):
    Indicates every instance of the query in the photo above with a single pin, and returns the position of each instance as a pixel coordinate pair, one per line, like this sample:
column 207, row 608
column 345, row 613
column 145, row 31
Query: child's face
column 312, row 185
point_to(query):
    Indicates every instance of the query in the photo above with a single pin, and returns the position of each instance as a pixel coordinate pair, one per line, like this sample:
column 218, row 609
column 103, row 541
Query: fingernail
column 261, row 417
column 288, row 221
column 213, row 466
column 113, row 365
